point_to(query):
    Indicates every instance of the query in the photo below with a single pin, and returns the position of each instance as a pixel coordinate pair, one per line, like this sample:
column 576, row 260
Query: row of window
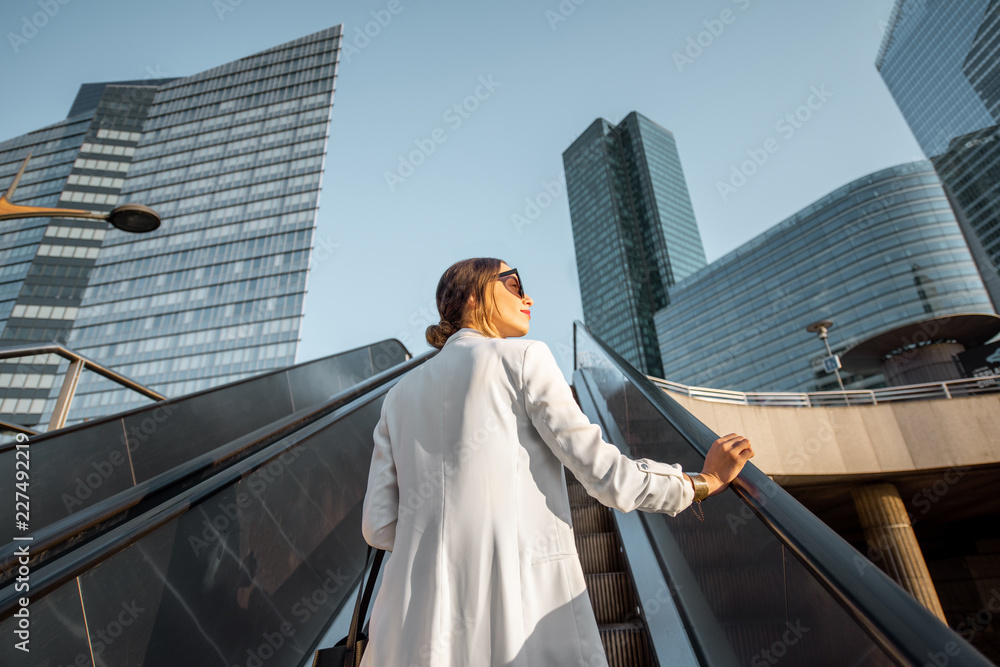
column 246, row 153
column 119, row 135
column 220, row 195
column 154, row 132
column 21, row 236
column 88, row 197
column 27, row 380
column 209, row 109
column 108, row 149
column 110, row 281
column 68, row 251
column 231, row 133
column 50, row 359
column 13, row 271
column 175, row 322
column 101, row 165
column 227, row 173
column 275, row 87
column 253, row 289
column 14, row 254
column 178, row 342
column 275, row 63
column 40, row 161
column 42, row 140
column 35, row 312
column 96, row 181
column 22, row 406
column 162, row 369
column 85, row 233
column 33, row 176
column 225, row 214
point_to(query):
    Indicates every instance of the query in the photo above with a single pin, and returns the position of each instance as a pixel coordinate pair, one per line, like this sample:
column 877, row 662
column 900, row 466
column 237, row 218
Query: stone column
column 893, row 543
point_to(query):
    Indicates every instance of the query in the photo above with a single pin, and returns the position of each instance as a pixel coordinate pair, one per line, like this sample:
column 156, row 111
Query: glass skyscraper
column 633, row 229
column 880, row 252
column 941, row 62
column 232, row 160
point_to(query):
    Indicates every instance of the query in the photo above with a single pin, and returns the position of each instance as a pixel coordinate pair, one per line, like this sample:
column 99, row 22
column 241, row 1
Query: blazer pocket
column 548, row 558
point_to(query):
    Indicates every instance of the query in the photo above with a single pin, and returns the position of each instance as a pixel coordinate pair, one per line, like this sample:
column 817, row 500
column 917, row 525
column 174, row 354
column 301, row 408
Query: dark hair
column 469, row 277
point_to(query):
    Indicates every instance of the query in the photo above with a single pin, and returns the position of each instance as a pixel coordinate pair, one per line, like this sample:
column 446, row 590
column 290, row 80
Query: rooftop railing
column 912, row 392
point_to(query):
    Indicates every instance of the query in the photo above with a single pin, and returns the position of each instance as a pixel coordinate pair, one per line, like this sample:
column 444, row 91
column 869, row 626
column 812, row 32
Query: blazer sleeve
column 381, row 506
column 607, row 474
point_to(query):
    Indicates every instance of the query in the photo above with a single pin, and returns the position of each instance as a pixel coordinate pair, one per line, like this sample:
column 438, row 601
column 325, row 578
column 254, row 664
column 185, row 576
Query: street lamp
column 821, row 328
column 134, row 218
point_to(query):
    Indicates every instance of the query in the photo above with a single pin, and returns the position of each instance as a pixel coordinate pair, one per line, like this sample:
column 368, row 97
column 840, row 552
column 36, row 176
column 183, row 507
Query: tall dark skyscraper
column 941, row 62
column 232, row 160
column 633, row 228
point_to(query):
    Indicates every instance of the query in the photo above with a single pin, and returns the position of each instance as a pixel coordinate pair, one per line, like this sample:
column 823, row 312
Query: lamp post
column 134, row 218
column 820, row 328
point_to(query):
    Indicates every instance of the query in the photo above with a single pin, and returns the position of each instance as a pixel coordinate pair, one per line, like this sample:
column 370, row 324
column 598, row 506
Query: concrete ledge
column 894, row 437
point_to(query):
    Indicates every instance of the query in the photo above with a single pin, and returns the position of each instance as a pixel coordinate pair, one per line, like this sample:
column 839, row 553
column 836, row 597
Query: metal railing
column 912, row 392
column 77, row 364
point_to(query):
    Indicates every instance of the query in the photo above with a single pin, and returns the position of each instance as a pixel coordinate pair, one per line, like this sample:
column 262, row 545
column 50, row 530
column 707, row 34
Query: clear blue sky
column 379, row 249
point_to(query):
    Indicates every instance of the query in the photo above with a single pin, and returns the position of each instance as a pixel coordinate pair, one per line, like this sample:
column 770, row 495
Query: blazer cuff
column 684, row 498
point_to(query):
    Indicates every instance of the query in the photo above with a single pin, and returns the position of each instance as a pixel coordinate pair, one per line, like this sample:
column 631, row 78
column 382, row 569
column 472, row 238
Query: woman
column 466, row 489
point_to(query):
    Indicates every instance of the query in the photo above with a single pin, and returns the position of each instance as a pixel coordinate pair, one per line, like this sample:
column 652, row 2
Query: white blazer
column 466, row 489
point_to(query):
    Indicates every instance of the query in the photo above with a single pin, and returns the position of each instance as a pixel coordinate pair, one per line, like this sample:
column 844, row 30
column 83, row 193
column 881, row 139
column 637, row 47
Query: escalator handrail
column 106, row 545
column 70, row 527
column 92, row 423
column 896, row 620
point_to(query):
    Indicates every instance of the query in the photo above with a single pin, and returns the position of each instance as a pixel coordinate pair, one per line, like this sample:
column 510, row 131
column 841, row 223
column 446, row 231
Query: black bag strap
column 361, row 606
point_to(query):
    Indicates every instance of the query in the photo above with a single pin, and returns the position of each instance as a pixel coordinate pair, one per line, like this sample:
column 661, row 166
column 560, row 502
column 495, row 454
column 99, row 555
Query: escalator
column 249, row 558
column 87, row 478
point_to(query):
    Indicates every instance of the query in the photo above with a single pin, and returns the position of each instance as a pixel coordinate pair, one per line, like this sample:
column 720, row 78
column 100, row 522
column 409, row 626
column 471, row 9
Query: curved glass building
column 882, row 251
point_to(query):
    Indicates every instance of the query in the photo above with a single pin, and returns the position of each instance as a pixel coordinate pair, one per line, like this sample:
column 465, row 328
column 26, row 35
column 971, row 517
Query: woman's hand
column 725, row 460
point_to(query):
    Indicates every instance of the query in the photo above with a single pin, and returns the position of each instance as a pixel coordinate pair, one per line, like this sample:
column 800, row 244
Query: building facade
column 232, row 160
column 941, row 63
column 633, row 228
column 880, row 252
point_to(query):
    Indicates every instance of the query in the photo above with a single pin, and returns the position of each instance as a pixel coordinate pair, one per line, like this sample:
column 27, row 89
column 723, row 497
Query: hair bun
column 437, row 334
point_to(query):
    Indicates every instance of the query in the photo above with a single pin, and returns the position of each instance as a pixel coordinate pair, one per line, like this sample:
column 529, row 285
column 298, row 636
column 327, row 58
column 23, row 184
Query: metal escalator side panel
column 247, row 568
column 669, row 632
column 80, row 465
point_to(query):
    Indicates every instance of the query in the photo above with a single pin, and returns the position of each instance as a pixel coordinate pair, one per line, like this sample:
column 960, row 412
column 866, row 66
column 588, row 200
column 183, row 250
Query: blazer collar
column 467, row 332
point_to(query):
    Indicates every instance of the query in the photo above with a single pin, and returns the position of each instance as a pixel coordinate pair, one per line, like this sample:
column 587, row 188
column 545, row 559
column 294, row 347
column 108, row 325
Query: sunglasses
column 514, row 286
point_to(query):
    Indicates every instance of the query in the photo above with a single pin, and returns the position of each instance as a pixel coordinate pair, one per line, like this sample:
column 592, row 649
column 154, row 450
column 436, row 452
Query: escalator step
column 611, row 597
column 599, row 552
column 591, row 518
column 626, row 645
column 577, row 494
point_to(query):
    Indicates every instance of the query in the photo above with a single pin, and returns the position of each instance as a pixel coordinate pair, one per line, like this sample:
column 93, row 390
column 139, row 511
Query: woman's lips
column 527, row 312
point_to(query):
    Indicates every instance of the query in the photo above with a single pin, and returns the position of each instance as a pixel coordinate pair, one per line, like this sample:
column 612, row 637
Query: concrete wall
column 864, row 439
